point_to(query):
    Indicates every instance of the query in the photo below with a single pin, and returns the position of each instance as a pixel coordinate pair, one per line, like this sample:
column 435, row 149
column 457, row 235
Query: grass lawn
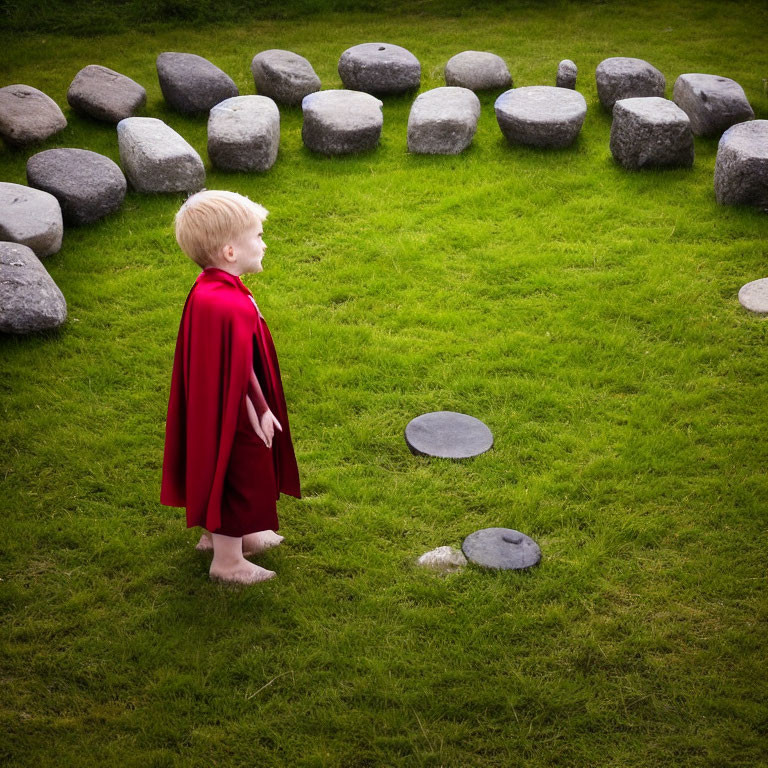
column 587, row 314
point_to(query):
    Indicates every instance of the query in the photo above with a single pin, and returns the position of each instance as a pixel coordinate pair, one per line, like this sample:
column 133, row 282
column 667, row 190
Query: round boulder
column 478, row 71
column 754, row 296
column 712, row 103
column 29, row 299
column 191, row 84
column 284, row 76
column 379, row 68
column 566, row 74
column 30, row 217
column 443, row 121
column 104, row 94
column 448, row 435
column 541, row 115
column 339, row 122
column 622, row 77
column 741, row 166
column 87, row 185
column 28, row 115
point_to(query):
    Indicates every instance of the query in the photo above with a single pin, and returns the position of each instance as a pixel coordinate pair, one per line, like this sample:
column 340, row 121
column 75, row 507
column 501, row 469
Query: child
column 228, row 451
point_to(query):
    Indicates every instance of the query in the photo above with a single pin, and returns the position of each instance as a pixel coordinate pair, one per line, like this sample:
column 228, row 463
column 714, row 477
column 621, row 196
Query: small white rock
column 443, row 559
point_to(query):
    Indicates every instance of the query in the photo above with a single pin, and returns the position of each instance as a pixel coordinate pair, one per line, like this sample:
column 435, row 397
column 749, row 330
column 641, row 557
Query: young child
column 228, row 451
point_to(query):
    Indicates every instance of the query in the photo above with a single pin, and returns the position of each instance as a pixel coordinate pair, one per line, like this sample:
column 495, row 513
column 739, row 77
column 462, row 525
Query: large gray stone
column 712, row 103
column 28, row 115
column 29, row 299
column 443, row 121
column 284, row 76
column 502, row 548
column 541, row 115
column 87, row 185
column 651, row 132
column 567, row 72
column 379, row 68
column 191, row 84
column 157, row 159
column 622, row 77
column 30, row 217
column 754, row 296
column 478, row 71
column 341, row 122
column 741, row 167
column 448, row 435
column 244, row 133
column 104, row 94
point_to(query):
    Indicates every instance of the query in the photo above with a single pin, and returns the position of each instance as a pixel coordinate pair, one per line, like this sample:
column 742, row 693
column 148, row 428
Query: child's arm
column 261, row 418
column 257, row 396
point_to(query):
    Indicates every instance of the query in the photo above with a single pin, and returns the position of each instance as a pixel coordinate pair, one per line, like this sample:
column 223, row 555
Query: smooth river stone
column 28, row 115
column 30, row 217
column 741, row 166
column 284, row 76
column 712, row 103
column 379, row 68
column 502, row 548
column 622, row 77
column 443, row 121
column 478, row 71
column 339, row 122
column 192, row 84
column 448, row 435
column 104, row 94
column 754, row 296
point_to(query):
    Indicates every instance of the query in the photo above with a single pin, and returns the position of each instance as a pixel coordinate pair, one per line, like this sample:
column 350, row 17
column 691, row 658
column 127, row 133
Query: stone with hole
column 381, row 69
column 623, row 77
column 30, row 217
column 478, row 71
column 28, row 115
column 443, row 121
column 104, row 94
column 501, row 548
column 712, row 103
column 284, row 76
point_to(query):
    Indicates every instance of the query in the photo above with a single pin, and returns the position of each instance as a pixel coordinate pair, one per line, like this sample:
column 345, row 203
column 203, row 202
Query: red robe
column 222, row 338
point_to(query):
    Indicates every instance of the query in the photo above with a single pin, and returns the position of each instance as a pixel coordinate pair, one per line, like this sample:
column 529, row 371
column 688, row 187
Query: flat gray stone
column 443, row 121
column 339, row 122
column 30, row 217
column 622, row 77
column 448, row 435
column 192, row 84
column 284, row 76
column 651, row 132
column 157, row 159
column 502, row 548
column 541, row 115
column 478, row 71
column 712, row 103
column 567, row 72
column 244, row 133
column 754, row 296
column 741, row 167
column 87, row 185
column 379, row 68
column 104, row 94
column 28, row 115
column 29, row 299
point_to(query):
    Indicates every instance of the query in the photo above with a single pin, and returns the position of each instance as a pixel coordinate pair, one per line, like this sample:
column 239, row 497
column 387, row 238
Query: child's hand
column 268, row 425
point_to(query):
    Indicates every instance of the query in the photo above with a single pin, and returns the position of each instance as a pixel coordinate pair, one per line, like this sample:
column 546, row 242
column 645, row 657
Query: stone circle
column 157, row 159
column 29, row 299
column 541, row 115
column 566, row 74
column 192, row 84
column 104, row 94
column 284, row 76
column 443, row 121
column 379, row 68
column 754, row 296
column 622, row 77
column 28, row 115
column 712, row 103
column 338, row 122
column 502, row 548
column 30, row 217
column 443, row 560
column 87, row 185
column 741, row 166
column 651, row 132
column 478, row 71
column 448, row 435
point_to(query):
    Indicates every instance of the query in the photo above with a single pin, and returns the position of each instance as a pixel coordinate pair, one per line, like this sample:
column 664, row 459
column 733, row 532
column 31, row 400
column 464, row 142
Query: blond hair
column 211, row 219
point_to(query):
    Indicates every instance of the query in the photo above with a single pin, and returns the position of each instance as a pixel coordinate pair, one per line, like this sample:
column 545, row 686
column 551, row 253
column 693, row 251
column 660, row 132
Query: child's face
column 247, row 251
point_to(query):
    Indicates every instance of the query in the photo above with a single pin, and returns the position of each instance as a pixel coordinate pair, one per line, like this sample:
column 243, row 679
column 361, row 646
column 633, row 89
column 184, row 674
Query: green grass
column 588, row 315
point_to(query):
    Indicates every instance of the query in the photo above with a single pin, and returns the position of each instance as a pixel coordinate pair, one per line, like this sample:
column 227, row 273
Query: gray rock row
column 712, row 103
column 566, row 74
column 754, row 296
column 157, row 159
column 29, row 299
column 87, row 185
column 284, row 76
column 104, row 94
column 28, row 115
column 478, row 71
column 502, row 548
column 448, row 435
column 741, row 166
column 650, row 132
column 244, row 133
column 338, row 122
column 623, row 77
column 192, row 84
column 30, row 217
column 443, row 121
column 380, row 69
column 541, row 115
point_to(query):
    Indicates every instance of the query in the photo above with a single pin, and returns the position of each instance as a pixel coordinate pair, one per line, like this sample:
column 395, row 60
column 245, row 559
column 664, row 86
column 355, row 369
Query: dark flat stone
column 448, row 435
column 502, row 548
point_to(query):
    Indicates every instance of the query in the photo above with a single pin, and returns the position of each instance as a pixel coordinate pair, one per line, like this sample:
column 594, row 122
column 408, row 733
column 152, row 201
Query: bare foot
column 256, row 543
column 245, row 573
column 205, row 544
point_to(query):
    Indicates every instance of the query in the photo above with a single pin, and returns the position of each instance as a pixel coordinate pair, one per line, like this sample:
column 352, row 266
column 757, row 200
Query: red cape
column 222, row 337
